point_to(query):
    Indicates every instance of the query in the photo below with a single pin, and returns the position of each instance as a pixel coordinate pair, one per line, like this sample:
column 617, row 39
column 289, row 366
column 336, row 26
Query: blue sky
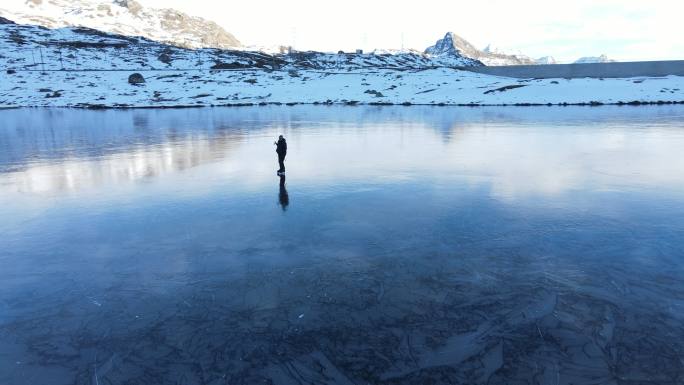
column 624, row 30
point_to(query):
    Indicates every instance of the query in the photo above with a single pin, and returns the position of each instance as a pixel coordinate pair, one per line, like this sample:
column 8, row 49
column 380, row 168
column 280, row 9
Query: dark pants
column 281, row 162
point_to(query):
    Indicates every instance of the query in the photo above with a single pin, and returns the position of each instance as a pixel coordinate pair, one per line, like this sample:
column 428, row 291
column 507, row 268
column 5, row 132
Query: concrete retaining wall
column 589, row 70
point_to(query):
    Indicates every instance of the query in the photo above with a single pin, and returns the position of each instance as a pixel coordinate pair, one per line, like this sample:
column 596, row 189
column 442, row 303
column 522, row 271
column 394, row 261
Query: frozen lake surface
column 407, row 245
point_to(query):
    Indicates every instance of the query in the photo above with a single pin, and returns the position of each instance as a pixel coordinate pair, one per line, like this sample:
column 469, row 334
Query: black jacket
column 281, row 147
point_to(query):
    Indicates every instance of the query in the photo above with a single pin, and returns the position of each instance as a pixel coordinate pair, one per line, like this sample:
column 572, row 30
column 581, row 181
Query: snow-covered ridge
column 454, row 45
column 594, row 59
column 124, row 17
column 80, row 67
column 545, row 60
column 34, row 47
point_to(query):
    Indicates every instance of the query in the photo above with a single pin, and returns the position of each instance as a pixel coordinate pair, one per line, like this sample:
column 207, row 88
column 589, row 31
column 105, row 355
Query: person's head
column 281, row 137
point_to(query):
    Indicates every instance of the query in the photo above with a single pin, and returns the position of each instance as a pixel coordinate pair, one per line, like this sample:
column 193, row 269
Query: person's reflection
column 282, row 196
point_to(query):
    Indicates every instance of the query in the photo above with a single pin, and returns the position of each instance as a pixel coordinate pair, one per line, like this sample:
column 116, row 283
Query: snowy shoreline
column 243, row 105
column 437, row 86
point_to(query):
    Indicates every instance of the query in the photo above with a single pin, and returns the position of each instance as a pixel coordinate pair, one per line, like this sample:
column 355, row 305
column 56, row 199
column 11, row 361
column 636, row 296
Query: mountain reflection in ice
column 407, row 245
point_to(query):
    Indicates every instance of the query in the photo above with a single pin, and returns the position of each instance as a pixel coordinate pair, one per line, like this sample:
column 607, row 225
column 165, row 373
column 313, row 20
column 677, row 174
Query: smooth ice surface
column 407, row 245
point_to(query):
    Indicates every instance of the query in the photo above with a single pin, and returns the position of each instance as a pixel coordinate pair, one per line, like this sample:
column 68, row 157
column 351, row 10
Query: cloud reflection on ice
column 517, row 152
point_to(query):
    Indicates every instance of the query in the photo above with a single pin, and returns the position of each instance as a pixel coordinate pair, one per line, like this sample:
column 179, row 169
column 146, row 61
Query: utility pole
column 199, row 59
column 42, row 62
column 59, row 51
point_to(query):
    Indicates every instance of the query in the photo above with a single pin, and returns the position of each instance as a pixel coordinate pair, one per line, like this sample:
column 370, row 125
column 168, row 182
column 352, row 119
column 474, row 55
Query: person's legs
column 281, row 162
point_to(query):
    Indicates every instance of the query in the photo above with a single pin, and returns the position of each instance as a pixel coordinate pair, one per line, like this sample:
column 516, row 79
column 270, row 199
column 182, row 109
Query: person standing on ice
column 281, row 149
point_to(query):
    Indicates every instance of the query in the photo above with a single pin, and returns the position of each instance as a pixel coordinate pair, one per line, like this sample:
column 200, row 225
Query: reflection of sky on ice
column 517, row 152
column 434, row 243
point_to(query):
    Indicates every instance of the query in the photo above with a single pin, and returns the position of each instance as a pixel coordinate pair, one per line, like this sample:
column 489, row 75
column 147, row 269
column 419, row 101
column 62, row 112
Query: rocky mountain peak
column 453, row 44
column 453, row 48
column 133, row 6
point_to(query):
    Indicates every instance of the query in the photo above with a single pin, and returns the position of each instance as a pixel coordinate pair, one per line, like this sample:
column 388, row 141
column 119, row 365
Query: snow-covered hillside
column 124, row 17
column 79, row 67
column 28, row 47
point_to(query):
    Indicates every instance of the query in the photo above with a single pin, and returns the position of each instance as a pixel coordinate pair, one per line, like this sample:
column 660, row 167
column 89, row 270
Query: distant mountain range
column 595, row 59
column 454, row 45
column 168, row 26
column 124, row 17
